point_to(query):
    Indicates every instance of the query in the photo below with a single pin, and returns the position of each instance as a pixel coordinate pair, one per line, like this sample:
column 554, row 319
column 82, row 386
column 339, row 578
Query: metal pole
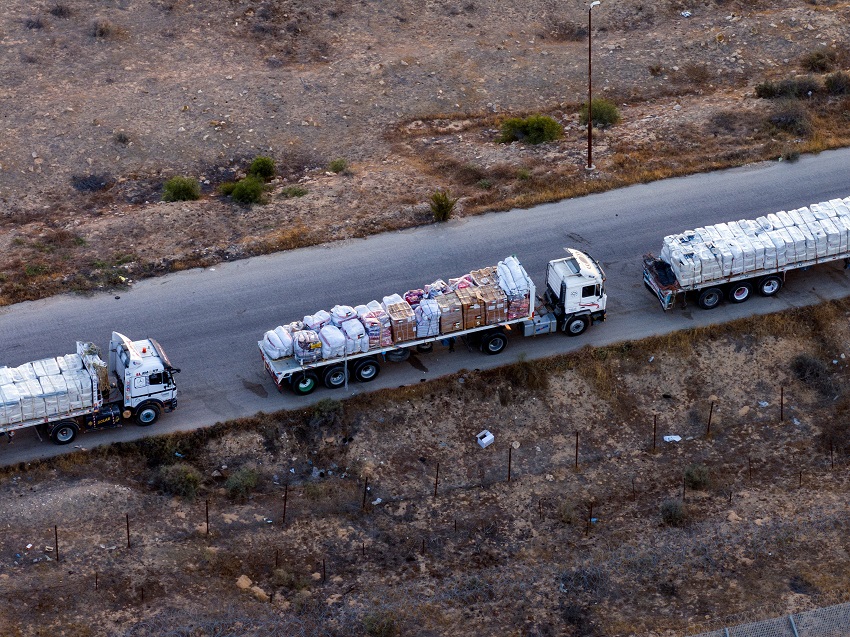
column 56, row 541
column 128, row 530
column 510, row 449
column 576, row 450
column 654, row 430
column 436, row 479
column 207, row 509
column 285, row 496
column 590, row 88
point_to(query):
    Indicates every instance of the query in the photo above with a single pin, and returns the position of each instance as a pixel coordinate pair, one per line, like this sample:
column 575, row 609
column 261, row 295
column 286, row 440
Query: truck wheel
column 148, row 414
column 304, row 383
column 424, row 348
column 398, row 355
column 494, row 343
column 770, row 285
column 335, row 376
column 366, row 370
column 576, row 325
column 740, row 292
column 710, row 298
column 64, row 432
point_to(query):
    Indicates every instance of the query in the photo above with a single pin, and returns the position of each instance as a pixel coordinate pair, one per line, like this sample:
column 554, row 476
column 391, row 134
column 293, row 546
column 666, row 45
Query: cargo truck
column 481, row 308
column 734, row 259
column 78, row 392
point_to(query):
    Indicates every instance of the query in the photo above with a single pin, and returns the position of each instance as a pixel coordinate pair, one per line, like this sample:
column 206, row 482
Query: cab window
column 156, row 379
column 587, row 291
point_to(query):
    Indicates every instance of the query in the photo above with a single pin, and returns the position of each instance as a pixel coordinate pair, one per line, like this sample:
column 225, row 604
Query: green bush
column 604, row 112
column 338, row 165
column 485, row 184
column 523, row 174
column 241, row 483
column 293, row 191
column 674, row 513
column 442, row 205
column 697, row 477
column 534, row 129
column 181, row 189
column 837, row 83
column 381, row 624
column 179, row 479
column 820, row 60
column 262, row 168
column 226, row 188
column 249, row 190
column 326, row 412
column 800, row 87
column 791, row 118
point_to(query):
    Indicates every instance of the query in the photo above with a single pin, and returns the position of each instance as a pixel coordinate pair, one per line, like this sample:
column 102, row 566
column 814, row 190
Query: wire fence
column 830, row 621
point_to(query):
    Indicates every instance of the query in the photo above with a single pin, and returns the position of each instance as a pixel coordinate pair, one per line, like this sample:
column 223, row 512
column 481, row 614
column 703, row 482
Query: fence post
column 128, row 530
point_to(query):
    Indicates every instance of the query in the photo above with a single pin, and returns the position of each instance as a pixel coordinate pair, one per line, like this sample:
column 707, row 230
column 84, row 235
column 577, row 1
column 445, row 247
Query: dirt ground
column 104, row 101
column 382, row 516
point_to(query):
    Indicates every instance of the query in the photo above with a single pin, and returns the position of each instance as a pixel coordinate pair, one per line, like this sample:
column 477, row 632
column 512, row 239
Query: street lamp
column 590, row 165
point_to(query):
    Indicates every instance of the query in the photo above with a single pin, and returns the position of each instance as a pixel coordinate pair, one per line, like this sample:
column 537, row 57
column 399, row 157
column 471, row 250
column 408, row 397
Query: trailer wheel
column 398, row 355
column 424, row 348
column 304, row 383
column 770, row 285
column 334, row 377
column 740, row 292
column 366, row 370
column 710, row 298
column 148, row 414
column 576, row 325
column 64, row 432
column 494, row 343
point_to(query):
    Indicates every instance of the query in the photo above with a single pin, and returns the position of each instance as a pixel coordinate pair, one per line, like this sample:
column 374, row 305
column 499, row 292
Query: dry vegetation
column 761, row 529
column 105, row 102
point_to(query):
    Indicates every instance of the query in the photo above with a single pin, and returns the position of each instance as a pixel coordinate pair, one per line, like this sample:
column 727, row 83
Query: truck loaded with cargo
column 481, row 307
column 73, row 393
column 732, row 260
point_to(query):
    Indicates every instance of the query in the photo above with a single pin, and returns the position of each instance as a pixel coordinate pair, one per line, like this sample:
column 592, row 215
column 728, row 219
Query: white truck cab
column 144, row 372
column 575, row 291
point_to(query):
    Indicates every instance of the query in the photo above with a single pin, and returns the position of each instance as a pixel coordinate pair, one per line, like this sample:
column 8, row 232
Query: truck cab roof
column 576, row 266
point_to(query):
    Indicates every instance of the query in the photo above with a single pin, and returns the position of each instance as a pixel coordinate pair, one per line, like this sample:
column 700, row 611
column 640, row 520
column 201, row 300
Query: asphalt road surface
column 209, row 321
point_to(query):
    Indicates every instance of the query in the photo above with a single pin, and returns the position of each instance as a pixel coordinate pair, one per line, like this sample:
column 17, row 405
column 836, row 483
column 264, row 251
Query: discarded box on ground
column 485, row 439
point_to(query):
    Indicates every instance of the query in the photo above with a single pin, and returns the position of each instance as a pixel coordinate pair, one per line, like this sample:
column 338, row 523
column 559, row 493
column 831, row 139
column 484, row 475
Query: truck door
column 590, row 295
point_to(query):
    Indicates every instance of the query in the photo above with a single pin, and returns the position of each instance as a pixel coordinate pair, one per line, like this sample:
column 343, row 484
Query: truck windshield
column 573, row 265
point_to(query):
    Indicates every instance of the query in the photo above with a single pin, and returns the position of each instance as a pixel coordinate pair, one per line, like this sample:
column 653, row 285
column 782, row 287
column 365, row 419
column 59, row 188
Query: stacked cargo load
column 775, row 241
column 495, row 304
column 402, row 318
column 377, row 324
column 451, row 313
column 514, row 280
column 427, row 318
column 473, row 310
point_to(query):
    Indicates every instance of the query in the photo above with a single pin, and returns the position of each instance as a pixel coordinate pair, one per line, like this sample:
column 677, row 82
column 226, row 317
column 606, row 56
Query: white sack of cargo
column 81, row 390
column 392, row 299
column 821, row 247
column 317, row 321
column 512, row 278
column 284, row 333
column 306, row 346
column 272, row 346
column 70, row 362
column 378, row 325
column 45, row 367
column 10, row 405
column 32, row 402
column 785, row 219
column 6, row 376
column 24, row 372
column 55, row 393
column 342, row 313
column 356, row 340
column 795, row 249
column 427, row 318
column 333, row 342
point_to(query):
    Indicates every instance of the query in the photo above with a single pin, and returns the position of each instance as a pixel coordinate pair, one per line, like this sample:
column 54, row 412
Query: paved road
column 210, row 320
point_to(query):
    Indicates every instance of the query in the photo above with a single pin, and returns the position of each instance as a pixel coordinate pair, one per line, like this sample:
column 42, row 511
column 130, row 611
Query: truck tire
column 366, row 370
column 147, row 414
column 64, row 432
column 494, row 343
column 334, row 377
column 576, row 325
column 303, row 383
column 710, row 298
column 770, row 285
column 398, row 355
column 739, row 292
column 424, row 348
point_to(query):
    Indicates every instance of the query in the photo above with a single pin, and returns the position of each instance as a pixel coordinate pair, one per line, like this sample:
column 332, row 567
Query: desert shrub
column 605, row 112
column 181, row 189
column 534, row 129
column 485, row 184
column 247, row 191
column 523, row 174
column 674, row 513
column 697, row 477
column 790, row 154
column 442, row 205
column 34, row 23
column 60, row 11
column 655, row 69
column 697, row 73
column 566, row 513
column 820, row 60
column 791, row 118
column 283, row 578
column 798, row 87
column 338, row 165
column 814, row 373
column 526, row 374
column 226, row 188
column 837, row 83
column 262, row 168
column 592, row 580
column 241, row 483
column 326, row 412
column 179, row 479
column 102, row 29
column 91, row 183
column 381, row 624
column 293, row 191
column 121, row 138
column 565, row 31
